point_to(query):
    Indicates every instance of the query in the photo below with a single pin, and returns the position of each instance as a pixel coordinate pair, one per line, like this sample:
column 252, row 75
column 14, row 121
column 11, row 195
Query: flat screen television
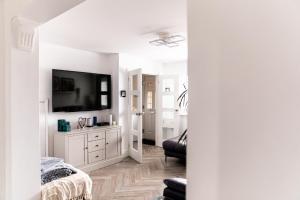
column 79, row 91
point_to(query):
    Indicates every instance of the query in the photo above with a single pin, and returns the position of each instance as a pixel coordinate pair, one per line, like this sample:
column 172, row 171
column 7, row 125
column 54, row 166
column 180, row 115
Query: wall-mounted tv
column 79, row 91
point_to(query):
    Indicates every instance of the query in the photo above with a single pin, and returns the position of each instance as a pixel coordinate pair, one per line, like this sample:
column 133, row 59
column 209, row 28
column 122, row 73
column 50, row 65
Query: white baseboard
column 105, row 163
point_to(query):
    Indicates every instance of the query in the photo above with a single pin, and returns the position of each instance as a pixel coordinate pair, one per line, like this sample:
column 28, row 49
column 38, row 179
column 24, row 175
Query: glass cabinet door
column 104, row 88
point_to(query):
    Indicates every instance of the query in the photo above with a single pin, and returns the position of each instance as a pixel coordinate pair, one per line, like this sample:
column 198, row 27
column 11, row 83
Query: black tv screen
column 80, row 91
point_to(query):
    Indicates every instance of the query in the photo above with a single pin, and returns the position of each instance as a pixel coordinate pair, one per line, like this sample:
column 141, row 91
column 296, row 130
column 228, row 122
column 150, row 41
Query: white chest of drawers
column 89, row 148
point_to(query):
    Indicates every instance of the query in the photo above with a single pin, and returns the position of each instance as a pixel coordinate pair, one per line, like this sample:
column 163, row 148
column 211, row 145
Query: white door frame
column 145, row 109
column 157, row 103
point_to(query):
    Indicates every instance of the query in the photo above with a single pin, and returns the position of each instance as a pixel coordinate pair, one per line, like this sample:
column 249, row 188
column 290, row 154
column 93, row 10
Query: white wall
column 24, row 79
column 123, row 105
column 60, row 57
column 132, row 62
column 244, row 100
column 121, row 72
column 113, row 59
column 2, row 106
column 175, row 68
column 20, row 116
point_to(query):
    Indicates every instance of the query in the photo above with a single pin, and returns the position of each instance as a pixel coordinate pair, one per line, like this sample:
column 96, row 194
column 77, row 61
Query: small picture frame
column 123, row 93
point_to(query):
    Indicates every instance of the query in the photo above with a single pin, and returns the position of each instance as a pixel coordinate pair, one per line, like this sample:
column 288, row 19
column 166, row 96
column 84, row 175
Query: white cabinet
column 96, row 156
column 76, row 150
column 97, row 135
column 96, row 145
column 112, row 144
column 90, row 147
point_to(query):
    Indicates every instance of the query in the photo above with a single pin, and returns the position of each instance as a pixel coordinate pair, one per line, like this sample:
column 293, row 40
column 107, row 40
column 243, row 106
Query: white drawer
column 96, row 136
column 96, row 156
column 96, row 145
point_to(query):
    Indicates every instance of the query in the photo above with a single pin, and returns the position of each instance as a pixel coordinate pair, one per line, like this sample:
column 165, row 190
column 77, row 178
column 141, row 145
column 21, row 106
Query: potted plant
column 183, row 104
column 183, row 98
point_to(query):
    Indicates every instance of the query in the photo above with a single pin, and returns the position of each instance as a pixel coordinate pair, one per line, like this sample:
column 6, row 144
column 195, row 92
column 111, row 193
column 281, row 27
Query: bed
column 75, row 186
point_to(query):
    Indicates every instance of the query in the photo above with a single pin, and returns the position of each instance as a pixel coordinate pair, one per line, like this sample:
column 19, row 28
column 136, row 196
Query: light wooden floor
column 129, row 180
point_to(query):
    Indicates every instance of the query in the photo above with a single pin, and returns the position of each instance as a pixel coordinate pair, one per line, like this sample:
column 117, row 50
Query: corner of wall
column 123, row 105
column 2, row 106
column 114, row 65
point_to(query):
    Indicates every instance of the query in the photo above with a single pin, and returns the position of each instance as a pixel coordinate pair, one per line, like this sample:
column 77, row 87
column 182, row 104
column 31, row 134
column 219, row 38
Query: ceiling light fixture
column 165, row 39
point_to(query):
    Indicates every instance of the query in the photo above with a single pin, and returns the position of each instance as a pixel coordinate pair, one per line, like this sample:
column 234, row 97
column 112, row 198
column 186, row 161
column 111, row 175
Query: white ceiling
column 120, row 26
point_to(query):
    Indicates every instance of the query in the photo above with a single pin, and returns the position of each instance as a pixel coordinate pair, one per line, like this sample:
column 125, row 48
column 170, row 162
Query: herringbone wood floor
column 129, row 180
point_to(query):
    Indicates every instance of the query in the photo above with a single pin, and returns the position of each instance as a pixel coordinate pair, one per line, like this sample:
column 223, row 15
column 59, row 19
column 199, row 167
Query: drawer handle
column 107, row 143
column 97, row 145
column 97, row 156
column 97, row 136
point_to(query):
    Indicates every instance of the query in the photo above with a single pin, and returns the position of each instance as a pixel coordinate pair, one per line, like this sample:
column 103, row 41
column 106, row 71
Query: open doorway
column 149, row 109
column 142, row 113
column 55, row 44
column 154, row 113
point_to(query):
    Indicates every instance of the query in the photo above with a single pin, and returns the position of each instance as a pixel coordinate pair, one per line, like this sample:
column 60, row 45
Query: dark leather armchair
column 176, row 189
column 175, row 147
